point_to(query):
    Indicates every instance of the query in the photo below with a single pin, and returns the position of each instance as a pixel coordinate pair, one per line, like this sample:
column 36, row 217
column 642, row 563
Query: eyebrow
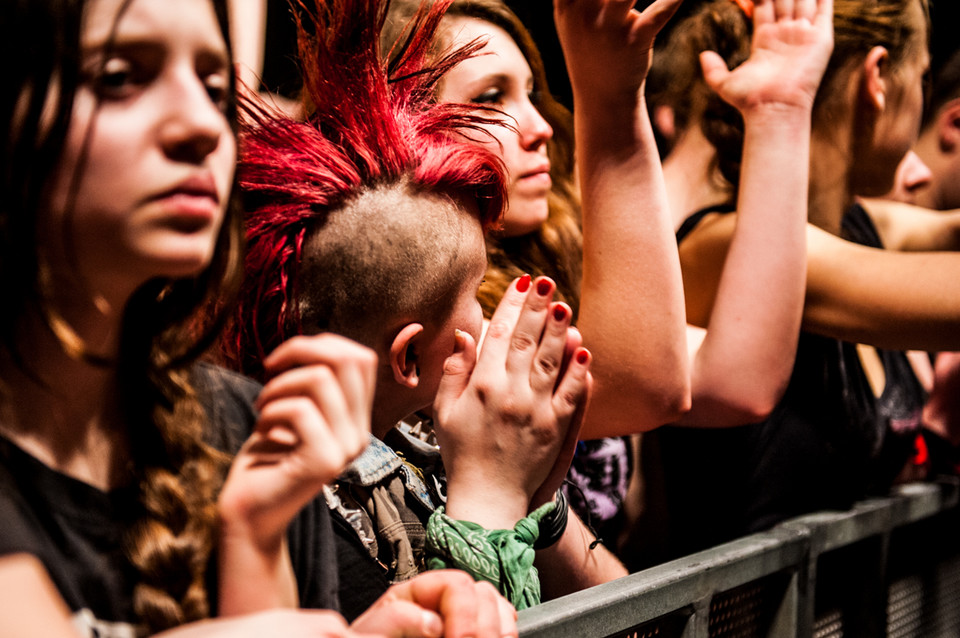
column 153, row 46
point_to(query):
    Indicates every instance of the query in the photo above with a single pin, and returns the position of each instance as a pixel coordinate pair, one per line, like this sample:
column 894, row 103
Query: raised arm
column 314, row 420
column 745, row 359
column 631, row 306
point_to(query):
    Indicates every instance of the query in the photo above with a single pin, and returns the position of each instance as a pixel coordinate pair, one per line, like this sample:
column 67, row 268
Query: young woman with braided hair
column 117, row 235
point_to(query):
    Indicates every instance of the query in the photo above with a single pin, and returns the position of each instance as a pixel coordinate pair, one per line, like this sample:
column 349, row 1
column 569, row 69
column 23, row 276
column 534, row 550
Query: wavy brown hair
column 166, row 325
column 721, row 26
column 556, row 248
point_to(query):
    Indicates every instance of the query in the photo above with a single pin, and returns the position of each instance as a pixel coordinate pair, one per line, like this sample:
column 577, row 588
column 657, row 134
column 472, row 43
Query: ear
column 403, row 355
column 664, row 120
column 874, row 77
column 948, row 126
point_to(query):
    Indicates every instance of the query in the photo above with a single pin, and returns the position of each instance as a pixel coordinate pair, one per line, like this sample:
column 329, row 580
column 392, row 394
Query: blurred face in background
column 500, row 77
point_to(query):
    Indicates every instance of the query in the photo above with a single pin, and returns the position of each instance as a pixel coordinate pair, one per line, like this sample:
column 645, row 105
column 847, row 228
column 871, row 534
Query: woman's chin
column 515, row 224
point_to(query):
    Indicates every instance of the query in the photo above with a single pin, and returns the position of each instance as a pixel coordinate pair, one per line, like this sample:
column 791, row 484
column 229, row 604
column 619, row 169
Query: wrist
column 553, row 524
column 491, row 507
column 779, row 114
column 236, row 529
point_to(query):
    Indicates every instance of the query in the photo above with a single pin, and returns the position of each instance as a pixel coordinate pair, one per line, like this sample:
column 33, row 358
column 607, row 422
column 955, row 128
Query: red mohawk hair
column 364, row 130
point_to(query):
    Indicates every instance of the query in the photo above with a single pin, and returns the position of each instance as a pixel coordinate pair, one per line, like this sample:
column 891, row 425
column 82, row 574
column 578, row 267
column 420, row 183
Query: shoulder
column 702, row 255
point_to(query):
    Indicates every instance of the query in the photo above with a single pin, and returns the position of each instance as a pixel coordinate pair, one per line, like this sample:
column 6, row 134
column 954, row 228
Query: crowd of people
column 417, row 346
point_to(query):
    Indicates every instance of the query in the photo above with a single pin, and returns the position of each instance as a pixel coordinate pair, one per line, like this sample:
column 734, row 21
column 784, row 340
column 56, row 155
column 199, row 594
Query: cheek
column 224, row 165
column 505, row 144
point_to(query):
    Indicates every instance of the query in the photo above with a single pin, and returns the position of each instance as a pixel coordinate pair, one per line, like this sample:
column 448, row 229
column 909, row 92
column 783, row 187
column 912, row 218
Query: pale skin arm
column 888, row 299
column 248, row 28
column 913, row 228
column 745, row 357
column 570, row 565
column 31, row 606
column 631, row 306
column 314, row 420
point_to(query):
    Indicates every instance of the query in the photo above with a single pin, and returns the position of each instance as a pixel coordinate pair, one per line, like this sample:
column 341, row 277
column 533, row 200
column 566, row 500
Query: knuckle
column 568, row 399
column 523, row 342
column 548, row 363
column 498, row 329
column 516, row 412
column 453, row 365
column 320, row 375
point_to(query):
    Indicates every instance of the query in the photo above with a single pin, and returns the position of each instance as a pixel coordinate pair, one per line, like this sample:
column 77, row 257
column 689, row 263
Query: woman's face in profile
column 500, row 77
column 142, row 186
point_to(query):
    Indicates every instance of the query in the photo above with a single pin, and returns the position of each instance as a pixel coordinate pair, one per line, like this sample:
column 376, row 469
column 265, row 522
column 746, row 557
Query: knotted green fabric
column 503, row 557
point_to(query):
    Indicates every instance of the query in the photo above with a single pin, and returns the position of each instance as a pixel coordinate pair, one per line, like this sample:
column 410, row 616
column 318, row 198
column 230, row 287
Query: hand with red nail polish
column 508, row 419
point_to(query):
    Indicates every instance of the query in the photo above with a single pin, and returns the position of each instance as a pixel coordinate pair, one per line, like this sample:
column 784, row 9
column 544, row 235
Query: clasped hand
column 507, row 420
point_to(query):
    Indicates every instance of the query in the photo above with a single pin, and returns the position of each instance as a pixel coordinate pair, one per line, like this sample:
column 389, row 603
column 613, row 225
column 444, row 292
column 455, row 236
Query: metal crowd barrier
column 888, row 567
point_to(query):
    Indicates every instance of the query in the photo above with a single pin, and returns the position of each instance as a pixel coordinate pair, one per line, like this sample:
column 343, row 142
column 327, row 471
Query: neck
column 830, row 191
column 692, row 182
column 63, row 409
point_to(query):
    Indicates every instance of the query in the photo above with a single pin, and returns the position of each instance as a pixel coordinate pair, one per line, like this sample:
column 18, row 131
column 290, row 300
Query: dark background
column 280, row 70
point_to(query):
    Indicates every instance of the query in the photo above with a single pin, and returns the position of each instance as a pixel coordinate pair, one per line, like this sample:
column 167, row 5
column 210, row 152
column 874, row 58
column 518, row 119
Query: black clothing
column 829, row 442
column 76, row 529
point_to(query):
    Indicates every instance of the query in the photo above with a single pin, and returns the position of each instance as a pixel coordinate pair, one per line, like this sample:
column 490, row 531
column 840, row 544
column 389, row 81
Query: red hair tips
column 366, row 126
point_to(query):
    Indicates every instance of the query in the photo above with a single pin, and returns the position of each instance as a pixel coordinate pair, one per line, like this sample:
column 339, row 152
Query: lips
column 199, row 185
column 192, row 204
column 538, row 179
column 538, row 171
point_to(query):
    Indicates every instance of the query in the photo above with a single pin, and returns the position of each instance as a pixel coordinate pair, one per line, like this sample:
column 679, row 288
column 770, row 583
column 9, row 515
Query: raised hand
column 505, row 417
column 791, row 47
column 608, row 45
column 438, row 603
column 314, row 420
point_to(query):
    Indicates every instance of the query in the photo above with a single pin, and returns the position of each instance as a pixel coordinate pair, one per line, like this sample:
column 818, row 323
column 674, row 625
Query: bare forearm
column 745, row 360
column 893, row 300
column 254, row 578
column 570, row 565
column 632, row 314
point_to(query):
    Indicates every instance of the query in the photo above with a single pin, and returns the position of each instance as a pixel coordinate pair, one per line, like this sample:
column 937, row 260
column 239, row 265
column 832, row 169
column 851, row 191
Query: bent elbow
column 677, row 404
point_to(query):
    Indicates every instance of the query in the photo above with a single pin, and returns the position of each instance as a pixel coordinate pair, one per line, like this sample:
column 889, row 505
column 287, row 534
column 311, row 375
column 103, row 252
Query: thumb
column 714, row 68
column 457, row 369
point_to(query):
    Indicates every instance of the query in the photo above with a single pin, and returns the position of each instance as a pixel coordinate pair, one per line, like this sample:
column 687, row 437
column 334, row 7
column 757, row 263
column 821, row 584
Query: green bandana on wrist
column 503, row 557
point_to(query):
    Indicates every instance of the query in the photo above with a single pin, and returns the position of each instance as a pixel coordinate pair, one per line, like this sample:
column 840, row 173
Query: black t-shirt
column 830, row 441
column 76, row 530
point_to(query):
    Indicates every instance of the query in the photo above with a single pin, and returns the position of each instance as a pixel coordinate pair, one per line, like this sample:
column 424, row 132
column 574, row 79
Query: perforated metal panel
column 669, row 626
column 746, row 611
column 829, row 625
column 926, row 605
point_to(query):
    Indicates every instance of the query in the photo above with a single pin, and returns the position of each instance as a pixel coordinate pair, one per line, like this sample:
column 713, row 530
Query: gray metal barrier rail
column 888, row 567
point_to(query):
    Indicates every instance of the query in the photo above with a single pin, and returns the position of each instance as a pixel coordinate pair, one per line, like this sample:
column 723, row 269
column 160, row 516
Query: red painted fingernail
column 523, row 284
column 543, row 287
column 583, row 357
column 560, row 312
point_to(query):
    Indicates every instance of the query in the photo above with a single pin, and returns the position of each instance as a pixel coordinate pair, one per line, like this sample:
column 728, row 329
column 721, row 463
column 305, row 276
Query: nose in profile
column 534, row 129
column 912, row 176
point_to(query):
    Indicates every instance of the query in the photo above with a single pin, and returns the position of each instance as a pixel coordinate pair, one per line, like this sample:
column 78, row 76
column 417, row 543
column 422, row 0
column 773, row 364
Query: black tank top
column 829, row 442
